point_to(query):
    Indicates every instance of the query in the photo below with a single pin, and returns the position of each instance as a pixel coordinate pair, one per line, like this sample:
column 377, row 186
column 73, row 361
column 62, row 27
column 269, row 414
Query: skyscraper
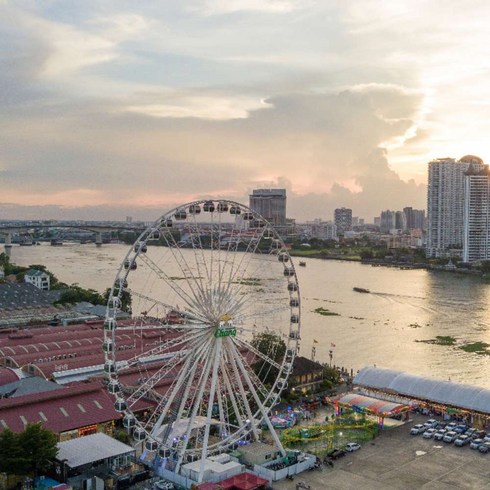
column 445, row 204
column 387, row 221
column 343, row 220
column 476, row 244
column 415, row 218
column 271, row 204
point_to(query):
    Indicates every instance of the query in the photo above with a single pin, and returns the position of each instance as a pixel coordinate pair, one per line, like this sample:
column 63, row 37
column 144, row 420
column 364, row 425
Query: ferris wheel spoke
column 164, row 348
column 191, row 317
column 231, row 392
column 195, row 408
column 190, row 278
column 239, row 319
column 234, row 271
column 246, row 345
column 186, row 374
column 190, row 301
column 149, row 384
column 262, row 409
column 232, row 359
column 199, row 253
column 212, row 392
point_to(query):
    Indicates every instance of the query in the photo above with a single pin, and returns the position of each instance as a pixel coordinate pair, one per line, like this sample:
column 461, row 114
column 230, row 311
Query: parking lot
column 398, row 460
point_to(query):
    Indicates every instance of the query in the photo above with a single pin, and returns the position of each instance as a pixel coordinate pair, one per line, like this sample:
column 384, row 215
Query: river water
column 380, row 328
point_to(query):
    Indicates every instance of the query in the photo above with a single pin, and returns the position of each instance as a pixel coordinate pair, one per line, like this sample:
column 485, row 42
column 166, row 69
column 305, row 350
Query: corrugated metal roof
column 440, row 391
column 89, row 449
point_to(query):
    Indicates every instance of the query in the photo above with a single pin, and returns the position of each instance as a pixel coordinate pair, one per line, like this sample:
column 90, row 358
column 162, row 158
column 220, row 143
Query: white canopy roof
column 89, row 449
column 436, row 390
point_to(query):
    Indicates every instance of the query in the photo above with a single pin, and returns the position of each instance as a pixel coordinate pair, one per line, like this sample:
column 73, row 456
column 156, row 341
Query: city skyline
column 111, row 109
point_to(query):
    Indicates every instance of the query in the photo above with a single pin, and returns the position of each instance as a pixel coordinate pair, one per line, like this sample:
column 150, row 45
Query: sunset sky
column 111, row 108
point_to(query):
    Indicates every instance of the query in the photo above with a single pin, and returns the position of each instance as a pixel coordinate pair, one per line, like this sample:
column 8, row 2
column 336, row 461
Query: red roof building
column 72, row 411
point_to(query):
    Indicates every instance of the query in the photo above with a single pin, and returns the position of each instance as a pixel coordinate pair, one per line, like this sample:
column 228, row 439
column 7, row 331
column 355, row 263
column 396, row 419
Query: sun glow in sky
column 114, row 108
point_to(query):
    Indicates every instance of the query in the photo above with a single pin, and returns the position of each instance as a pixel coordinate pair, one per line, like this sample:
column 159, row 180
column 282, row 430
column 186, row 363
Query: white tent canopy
column 436, row 390
column 89, row 449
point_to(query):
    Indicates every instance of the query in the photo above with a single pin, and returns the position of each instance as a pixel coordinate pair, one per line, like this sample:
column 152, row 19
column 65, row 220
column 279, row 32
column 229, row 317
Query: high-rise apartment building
column 476, row 244
column 271, row 204
column 387, row 221
column 415, row 218
column 445, row 204
column 323, row 230
column 343, row 220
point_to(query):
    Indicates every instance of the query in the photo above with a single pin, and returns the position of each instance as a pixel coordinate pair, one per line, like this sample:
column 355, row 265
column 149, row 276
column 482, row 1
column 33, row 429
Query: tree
column 76, row 294
column 122, row 436
column 39, row 448
column 12, row 461
column 30, row 452
column 125, row 298
column 271, row 345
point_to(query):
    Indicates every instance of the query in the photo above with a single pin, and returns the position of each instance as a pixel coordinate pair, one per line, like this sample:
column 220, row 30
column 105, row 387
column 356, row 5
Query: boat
column 302, row 263
column 361, row 290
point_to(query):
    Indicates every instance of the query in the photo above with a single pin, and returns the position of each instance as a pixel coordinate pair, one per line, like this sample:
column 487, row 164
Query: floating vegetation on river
column 480, row 348
column 248, row 281
column 440, row 340
column 415, row 325
column 325, row 312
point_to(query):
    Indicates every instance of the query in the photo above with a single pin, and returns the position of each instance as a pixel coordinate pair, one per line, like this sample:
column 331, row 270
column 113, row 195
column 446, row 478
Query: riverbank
column 402, row 265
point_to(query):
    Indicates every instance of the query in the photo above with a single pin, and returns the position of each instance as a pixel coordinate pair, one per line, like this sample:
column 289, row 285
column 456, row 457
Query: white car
column 417, row 429
column 429, row 433
column 431, row 423
column 352, row 446
column 439, row 435
column 476, row 443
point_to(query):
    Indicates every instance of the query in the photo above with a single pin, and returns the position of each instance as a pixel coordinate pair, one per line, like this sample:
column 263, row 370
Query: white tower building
column 445, row 204
column 476, row 244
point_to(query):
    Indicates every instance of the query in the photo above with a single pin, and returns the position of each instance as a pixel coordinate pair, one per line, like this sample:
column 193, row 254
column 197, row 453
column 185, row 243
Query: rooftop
column 89, row 449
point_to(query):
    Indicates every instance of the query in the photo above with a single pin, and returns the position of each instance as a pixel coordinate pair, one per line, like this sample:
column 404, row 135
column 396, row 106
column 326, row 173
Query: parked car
column 470, row 432
column 460, row 429
column 429, row 433
column 439, row 435
column 352, row 446
column 335, row 453
column 163, row 485
column 417, row 429
column 476, row 443
column 451, row 425
column 441, row 425
column 486, row 437
column 450, row 436
column 484, row 447
column 479, row 434
column 431, row 423
column 462, row 440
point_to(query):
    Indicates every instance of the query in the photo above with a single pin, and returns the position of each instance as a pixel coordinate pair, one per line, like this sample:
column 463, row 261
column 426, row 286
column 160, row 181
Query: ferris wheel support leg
column 212, row 392
column 242, row 390
column 259, row 403
column 177, row 387
column 175, row 390
column 232, row 395
column 195, row 408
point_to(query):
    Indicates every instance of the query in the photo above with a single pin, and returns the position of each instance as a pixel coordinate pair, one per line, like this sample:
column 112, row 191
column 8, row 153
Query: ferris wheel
column 213, row 333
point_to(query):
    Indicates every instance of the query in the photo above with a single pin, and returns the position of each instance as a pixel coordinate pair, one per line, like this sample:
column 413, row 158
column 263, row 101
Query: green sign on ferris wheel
column 225, row 332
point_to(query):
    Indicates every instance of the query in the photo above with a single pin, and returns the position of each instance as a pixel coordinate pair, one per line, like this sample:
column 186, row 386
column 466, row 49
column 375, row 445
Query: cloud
column 202, row 107
column 326, row 145
column 219, row 7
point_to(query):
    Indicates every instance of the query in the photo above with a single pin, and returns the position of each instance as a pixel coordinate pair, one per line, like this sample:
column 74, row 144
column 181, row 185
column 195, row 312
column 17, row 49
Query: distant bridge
column 98, row 229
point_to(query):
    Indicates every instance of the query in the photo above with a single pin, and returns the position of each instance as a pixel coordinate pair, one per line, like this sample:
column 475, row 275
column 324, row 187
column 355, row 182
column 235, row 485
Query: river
column 381, row 328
